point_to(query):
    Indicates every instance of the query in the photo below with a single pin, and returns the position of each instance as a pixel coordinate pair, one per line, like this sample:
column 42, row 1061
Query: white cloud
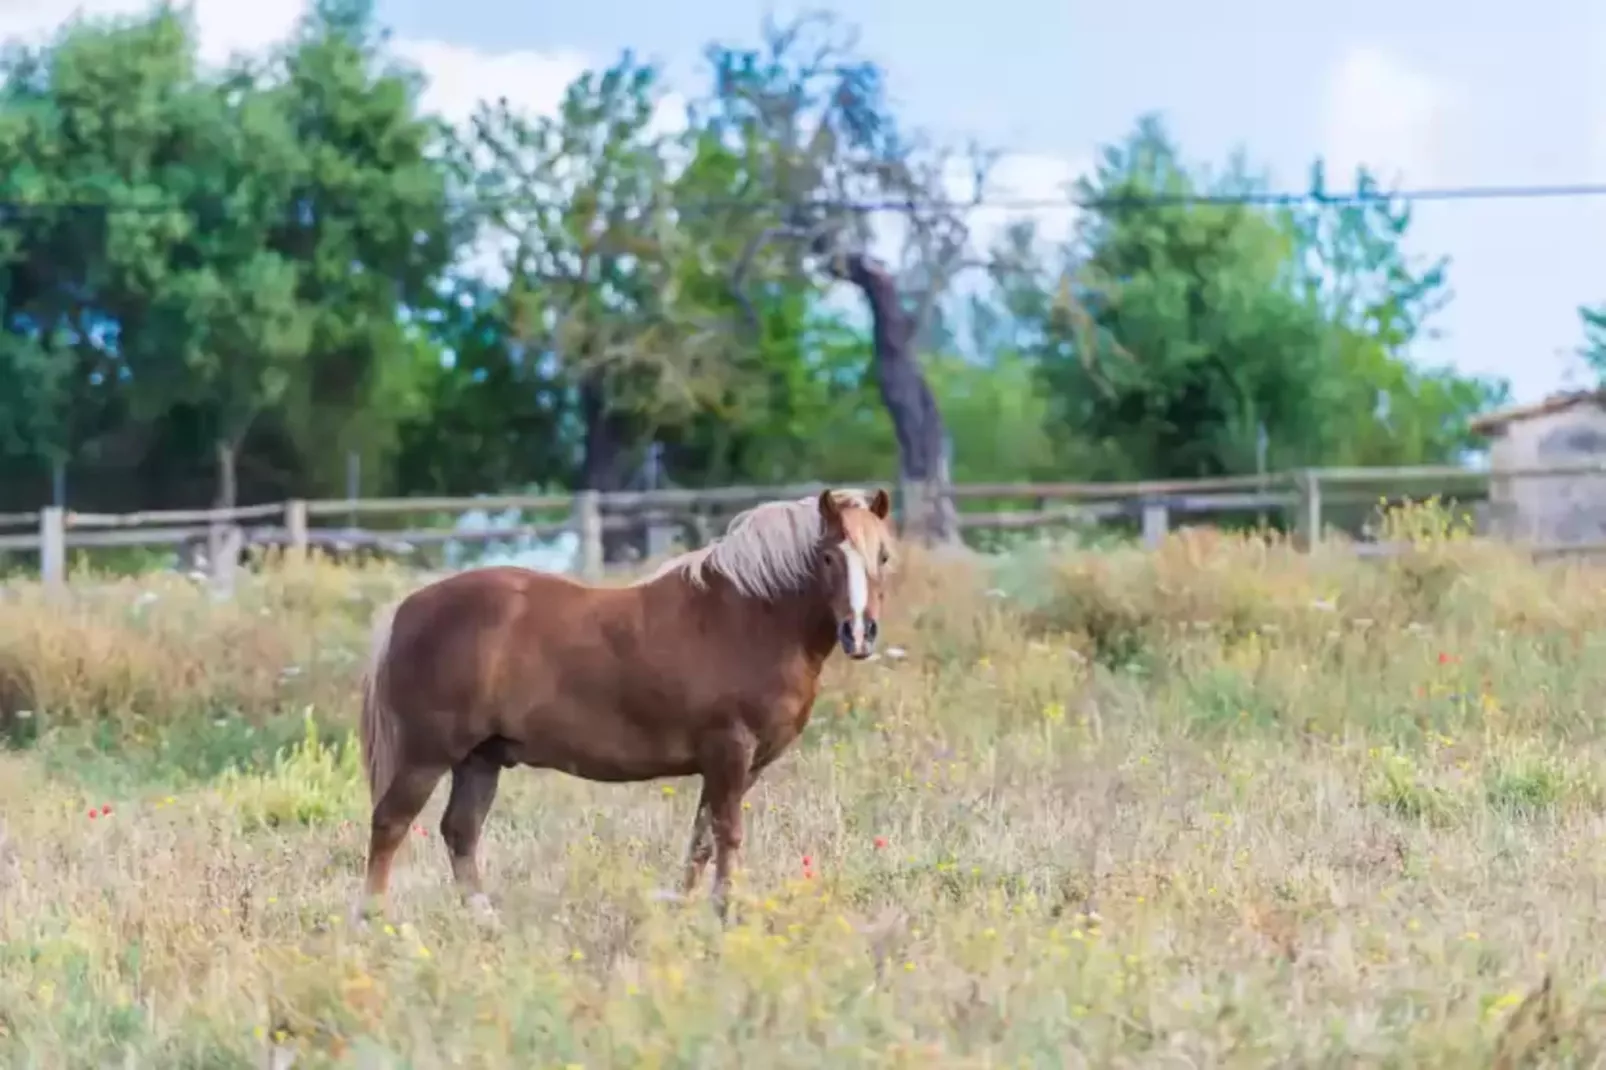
column 35, row 20
column 461, row 77
column 1030, row 177
column 1020, row 186
column 1381, row 113
column 224, row 26
column 458, row 77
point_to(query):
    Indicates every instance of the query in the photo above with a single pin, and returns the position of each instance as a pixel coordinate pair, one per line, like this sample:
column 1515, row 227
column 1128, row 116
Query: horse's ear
column 830, row 511
column 881, row 503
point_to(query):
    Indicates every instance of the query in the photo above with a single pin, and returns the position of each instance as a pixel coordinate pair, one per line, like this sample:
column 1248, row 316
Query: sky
column 1428, row 94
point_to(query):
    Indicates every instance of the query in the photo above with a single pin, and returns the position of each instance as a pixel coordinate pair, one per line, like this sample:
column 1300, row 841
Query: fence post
column 660, row 534
column 911, row 507
column 228, row 538
column 1156, row 523
column 1308, row 523
column 53, row 545
column 295, row 528
column 588, row 525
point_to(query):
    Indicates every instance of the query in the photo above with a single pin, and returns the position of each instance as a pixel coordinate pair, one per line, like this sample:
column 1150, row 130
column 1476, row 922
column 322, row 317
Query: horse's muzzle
column 862, row 649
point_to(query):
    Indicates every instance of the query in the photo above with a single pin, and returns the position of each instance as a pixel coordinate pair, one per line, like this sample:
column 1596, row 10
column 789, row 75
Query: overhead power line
column 1573, row 191
column 1448, row 193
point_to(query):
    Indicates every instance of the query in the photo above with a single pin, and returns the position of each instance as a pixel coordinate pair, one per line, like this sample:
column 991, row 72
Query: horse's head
column 856, row 549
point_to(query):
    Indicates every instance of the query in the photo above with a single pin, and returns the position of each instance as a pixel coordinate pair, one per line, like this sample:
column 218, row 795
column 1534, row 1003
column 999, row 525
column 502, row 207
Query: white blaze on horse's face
column 855, row 555
column 858, row 592
column 855, row 601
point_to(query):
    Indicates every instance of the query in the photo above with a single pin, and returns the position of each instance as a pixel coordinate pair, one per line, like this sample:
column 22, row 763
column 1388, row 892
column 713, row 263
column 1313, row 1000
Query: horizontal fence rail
column 1301, row 499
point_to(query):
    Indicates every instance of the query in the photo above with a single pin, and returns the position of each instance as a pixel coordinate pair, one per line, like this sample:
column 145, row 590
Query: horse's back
column 537, row 669
column 450, row 640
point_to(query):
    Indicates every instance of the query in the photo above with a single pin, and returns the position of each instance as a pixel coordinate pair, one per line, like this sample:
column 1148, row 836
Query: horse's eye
column 885, row 557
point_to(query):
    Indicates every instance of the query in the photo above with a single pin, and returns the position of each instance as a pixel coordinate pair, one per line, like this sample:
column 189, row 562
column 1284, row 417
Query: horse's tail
column 378, row 726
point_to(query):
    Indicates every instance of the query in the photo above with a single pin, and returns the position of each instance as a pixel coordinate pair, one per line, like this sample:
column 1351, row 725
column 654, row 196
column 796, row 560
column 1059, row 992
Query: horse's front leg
column 726, row 775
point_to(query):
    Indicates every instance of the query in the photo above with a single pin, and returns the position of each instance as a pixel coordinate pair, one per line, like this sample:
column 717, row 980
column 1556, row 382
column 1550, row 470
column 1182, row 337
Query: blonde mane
column 766, row 552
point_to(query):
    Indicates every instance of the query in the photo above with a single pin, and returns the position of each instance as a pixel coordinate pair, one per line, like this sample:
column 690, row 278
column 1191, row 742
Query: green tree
column 216, row 254
column 495, row 416
column 371, row 229
column 209, row 316
column 1169, row 336
column 1178, row 328
column 583, row 205
column 189, row 178
column 816, row 138
column 37, row 361
column 1376, row 302
column 81, row 119
column 792, row 364
column 1593, row 351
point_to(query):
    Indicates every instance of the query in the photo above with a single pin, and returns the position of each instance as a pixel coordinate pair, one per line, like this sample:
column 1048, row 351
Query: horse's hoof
column 357, row 917
column 479, row 904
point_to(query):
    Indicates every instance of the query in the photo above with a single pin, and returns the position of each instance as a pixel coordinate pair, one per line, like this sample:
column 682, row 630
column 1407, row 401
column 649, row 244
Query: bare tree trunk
column 226, row 453
column 222, row 548
column 916, row 420
column 606, row 464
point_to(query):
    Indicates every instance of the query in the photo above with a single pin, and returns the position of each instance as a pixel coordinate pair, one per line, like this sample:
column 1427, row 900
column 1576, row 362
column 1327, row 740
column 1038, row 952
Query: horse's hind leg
column 700, row 851
column 393, row 816
column 474, row 782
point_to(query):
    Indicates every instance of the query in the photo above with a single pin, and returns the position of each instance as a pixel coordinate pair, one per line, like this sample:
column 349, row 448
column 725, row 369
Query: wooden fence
column 1303, row 500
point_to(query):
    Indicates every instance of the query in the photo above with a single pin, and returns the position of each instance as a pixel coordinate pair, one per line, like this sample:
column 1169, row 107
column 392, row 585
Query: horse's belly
column 606, row 748
column 610, row 772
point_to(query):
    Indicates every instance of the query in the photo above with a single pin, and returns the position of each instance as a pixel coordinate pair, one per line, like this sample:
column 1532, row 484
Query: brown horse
column 709, row 666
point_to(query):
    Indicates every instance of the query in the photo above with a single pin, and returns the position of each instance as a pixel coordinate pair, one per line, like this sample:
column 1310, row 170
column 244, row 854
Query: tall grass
column 1220, row 804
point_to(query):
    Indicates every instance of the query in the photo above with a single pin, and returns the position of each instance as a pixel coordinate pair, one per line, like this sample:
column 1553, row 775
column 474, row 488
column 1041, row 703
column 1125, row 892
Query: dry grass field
column 1220, row 805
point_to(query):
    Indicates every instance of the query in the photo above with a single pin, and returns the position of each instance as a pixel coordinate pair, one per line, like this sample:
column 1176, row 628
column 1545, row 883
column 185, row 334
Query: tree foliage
column 1375, row 304
column 810, row 122
column 246, row 275
column 582, row 202
column 1184, row 331
column 1593, row 350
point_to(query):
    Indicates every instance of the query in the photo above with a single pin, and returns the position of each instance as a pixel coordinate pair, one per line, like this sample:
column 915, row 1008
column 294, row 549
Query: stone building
column 1564, row 429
